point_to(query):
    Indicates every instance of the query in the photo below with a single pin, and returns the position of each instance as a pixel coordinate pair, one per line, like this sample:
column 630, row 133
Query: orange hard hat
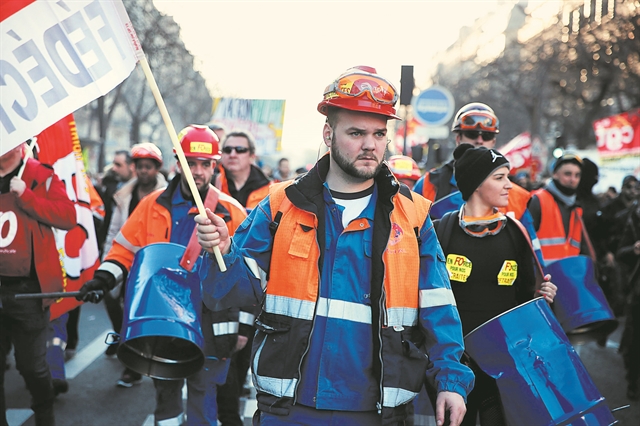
column 361, row 89
column 146, row 150
column 198, row 141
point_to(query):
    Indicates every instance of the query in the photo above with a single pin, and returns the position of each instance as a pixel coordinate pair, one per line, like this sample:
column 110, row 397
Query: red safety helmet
column 404, row 167
column 198, row 141
column 361, row 89
column 146, row 150
column 476, row 116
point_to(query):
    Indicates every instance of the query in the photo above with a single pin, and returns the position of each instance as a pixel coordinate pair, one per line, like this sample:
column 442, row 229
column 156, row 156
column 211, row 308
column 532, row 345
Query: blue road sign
column 433, row 106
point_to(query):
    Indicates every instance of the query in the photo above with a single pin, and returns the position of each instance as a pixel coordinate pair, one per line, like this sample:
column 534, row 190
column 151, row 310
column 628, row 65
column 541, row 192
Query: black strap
column 444, row 228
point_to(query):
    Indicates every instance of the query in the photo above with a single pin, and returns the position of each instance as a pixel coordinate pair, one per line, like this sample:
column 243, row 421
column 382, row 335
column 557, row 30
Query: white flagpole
column 27, row 155
column 176, row 145
column 137, row 48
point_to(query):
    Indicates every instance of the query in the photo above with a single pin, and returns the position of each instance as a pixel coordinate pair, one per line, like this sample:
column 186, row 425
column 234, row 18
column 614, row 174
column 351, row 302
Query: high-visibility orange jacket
column 555, row 243
column 222, row 183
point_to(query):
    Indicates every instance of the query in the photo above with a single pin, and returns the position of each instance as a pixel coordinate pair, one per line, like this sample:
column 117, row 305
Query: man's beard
column 350, row 168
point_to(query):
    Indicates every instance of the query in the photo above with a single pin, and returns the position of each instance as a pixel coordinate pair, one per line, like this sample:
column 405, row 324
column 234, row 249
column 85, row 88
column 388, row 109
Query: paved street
column 93, row 398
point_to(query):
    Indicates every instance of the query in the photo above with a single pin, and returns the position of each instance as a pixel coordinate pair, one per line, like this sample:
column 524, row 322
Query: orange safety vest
column 294, row 259
column 555, row 243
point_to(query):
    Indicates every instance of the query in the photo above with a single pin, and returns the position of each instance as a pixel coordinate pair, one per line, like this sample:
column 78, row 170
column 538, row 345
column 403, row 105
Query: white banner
column 57, row 56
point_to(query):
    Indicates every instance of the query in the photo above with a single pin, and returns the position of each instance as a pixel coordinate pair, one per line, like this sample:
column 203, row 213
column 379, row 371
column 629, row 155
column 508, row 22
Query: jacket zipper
column 306, row 350
column 383, row 321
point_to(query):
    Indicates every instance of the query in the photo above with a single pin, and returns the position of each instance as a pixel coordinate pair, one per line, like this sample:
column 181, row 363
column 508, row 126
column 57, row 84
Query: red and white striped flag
column 57, row 56
column 59, row 146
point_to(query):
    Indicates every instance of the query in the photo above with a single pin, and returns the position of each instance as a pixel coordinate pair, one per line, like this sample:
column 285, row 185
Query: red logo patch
column 396, row 234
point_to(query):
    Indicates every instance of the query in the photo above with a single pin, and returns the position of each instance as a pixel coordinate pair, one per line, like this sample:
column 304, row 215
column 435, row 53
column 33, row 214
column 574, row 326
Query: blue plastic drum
column 539, row 375
column 580, row 305
column 161, row 333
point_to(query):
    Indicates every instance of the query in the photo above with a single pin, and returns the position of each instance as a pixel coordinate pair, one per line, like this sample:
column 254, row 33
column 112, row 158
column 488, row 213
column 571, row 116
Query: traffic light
column 406, row 85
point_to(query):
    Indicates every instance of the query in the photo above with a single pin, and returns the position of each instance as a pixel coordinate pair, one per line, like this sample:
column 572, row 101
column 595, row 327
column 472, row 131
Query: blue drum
column 450, row 203
column 161, row 334
column 539, row 375
column 580, row 305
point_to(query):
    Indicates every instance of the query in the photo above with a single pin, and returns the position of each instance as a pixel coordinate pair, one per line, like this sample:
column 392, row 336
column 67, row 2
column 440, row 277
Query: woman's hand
column 548, row 289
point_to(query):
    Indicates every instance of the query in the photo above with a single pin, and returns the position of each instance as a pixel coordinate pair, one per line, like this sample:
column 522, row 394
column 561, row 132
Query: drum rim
column 537, row 299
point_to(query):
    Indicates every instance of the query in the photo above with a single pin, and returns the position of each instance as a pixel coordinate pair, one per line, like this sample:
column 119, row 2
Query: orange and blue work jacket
column 349, row 315
column 151, row 222
column 555, row 242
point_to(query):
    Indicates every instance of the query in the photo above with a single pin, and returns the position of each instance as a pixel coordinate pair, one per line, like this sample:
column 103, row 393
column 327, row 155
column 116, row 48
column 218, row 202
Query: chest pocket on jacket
column 302, row 240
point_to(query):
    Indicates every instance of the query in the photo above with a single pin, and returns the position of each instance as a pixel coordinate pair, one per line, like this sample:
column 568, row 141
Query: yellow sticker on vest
column 459, row 267
column 508, row 273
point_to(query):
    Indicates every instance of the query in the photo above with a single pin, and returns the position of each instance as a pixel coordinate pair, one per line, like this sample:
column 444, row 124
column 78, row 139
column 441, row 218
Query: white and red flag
column 59, row 146
column 518, row 152
column 57, row 56
column 618, row 136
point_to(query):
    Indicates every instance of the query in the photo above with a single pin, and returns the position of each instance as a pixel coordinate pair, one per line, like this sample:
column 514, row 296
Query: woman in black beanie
column 489, row 260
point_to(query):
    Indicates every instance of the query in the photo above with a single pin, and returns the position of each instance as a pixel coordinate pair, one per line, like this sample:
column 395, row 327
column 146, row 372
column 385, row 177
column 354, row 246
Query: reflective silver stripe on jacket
column 113, row 269
column 246, row 318
column 436, row 297
column 552, row 241
column 402, row 316
column 222, row 328
column 271, row 385
column 289, row 307
column 256, row 271
column 394, row 397
column 340, row 309
column 120, row 239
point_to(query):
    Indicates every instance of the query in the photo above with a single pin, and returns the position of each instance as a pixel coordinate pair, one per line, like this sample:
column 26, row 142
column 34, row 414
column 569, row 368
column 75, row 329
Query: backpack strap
column 444, row 228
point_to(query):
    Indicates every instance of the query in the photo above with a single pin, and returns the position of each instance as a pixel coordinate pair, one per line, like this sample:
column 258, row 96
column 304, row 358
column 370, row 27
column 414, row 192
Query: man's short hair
column 127, row 155
column 242, row 134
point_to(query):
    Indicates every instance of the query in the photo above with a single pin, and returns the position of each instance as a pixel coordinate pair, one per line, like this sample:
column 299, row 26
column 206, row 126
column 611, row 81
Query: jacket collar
column 310, row 185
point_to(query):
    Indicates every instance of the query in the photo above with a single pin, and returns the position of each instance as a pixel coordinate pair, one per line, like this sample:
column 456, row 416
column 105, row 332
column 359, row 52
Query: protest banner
column 263, row 118
column 56, row 57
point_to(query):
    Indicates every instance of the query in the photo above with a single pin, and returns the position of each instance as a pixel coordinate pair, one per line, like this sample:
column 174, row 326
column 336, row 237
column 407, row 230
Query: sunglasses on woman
column 238, row 149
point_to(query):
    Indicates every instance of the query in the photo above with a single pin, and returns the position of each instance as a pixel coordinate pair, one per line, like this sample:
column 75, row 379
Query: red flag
column 618, row 135
column 518, row 152
column 59, row 146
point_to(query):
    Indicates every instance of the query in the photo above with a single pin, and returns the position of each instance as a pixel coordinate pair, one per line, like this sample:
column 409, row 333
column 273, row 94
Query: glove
column 93, row 290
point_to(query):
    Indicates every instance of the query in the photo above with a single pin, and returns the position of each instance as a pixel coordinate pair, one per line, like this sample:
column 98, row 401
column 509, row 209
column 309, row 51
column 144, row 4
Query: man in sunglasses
column 357, row 310
column 238, row 176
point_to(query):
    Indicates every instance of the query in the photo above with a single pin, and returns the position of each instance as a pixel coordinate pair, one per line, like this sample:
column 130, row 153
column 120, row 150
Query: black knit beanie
column 474, row 165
